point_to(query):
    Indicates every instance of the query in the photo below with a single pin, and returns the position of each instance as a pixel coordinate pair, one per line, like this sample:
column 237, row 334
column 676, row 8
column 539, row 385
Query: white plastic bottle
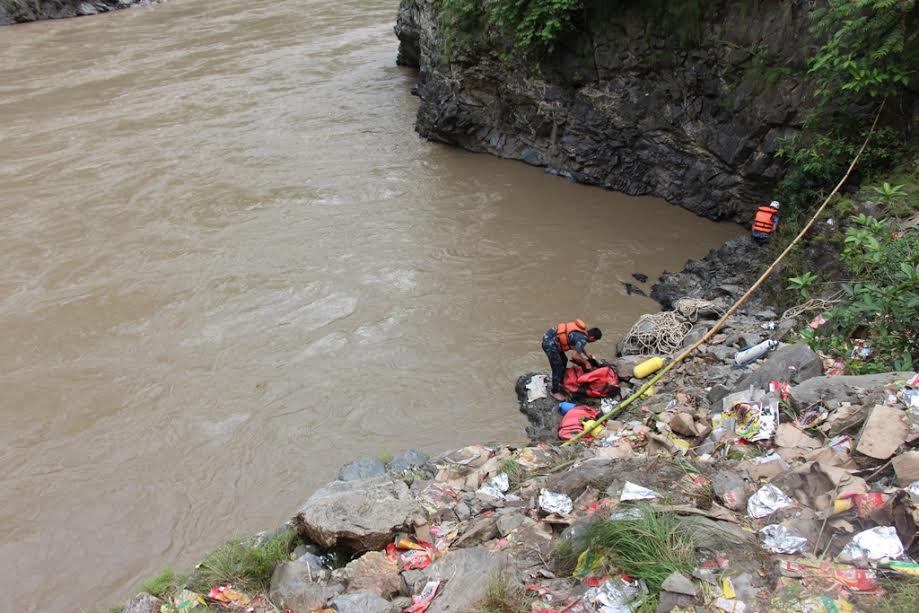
column 755, row 352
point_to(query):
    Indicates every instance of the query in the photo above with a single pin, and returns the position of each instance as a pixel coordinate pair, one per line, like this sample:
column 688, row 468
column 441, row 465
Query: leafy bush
column 880, row 303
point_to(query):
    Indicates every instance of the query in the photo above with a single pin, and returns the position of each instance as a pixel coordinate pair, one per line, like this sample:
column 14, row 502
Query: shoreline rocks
column 24, row 12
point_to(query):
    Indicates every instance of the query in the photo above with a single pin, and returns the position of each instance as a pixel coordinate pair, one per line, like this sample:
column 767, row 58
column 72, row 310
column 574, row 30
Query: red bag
column 598, row 383
column 571, row 421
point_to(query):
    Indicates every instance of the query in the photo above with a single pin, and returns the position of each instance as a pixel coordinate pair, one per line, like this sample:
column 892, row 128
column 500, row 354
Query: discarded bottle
column 564, row 407
column 755, row 352
column 649, row 366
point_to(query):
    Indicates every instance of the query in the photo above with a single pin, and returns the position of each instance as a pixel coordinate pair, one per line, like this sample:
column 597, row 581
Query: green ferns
column 535, row 26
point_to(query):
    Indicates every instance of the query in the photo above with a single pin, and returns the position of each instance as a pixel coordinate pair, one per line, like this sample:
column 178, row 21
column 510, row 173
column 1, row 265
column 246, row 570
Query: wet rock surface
column 623, row 104
column 21, row 12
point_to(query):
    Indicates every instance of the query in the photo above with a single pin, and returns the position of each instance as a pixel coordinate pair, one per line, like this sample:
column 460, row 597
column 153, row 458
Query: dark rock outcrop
column 22, row 12
column 725, row 272
column 624, row 103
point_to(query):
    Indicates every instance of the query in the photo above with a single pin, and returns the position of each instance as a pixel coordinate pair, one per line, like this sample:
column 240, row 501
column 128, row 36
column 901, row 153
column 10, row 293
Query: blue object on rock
column 564, row 407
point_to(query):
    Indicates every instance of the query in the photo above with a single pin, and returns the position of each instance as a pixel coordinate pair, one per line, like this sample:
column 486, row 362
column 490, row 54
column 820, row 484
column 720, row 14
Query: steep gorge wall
column 21, row 11
column 625, row 104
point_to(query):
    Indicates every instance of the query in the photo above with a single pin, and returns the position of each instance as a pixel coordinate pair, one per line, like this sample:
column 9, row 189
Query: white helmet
column 775, row 204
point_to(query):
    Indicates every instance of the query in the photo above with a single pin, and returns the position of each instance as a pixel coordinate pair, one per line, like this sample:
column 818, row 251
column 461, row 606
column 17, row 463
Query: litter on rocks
column 537, row 388
column 779, row 539
column 227, row 596
column 873, row 545
column 766, row 501
column 496, row 486
column 553, row 502
column 614, row 596
column 631, row 491
column 421, row 602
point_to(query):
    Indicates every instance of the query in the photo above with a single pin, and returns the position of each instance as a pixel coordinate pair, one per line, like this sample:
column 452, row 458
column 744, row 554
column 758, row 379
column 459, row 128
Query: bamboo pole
column 682, row 356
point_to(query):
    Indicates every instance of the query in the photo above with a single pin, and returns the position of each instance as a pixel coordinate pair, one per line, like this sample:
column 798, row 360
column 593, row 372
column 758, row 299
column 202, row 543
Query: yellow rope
column 641, row 390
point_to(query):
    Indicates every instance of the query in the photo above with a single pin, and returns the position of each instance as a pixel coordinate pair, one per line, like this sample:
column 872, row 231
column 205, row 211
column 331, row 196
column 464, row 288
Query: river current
column 230, row 266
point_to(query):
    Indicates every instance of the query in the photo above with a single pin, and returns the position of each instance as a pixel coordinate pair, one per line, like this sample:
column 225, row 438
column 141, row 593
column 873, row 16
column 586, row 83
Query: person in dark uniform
column 567, row 337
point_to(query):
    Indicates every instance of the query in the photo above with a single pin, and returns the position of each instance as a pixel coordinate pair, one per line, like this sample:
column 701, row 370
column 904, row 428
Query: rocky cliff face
column 21, row 11
column 624, row 103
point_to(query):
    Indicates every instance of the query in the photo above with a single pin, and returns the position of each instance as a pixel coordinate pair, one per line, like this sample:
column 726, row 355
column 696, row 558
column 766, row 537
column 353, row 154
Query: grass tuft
column 650, row 548
column 163, row 584
column 504, row 596
column 516, row 473
column 246, row 565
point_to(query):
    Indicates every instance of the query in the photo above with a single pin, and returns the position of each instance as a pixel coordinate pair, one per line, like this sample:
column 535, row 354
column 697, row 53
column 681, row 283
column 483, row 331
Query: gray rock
column 358, row 515
column 716, row 395
column 543, row 414
column 143, row 603
column 861, row 389
column 695, row 335
column 87, row 9
column 407, row 460
column 467, row 574
column 792, row 363
column 509, row 522
column 361, row 602
column 731, row 489
column 750, row 340
column 362, row 468
column 481, row 530
column 462, row 511
column 668, row 601
column 313, row 560
column 373, row 572
column 679, row 584
column 293, row 587
column 576, row 535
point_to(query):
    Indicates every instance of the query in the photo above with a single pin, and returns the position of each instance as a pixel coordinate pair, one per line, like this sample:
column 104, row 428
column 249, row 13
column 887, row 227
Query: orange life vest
column 763, row 220
column 562, row 330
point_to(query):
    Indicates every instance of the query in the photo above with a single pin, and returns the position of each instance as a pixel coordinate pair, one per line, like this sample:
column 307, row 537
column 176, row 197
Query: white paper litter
column 553, row 502
column 495, row 486
column 779, row 539
column 612, row 596
column 766, row 501
column 631, row 491
column 536, row 388
column 608, row 404
column 875, row 544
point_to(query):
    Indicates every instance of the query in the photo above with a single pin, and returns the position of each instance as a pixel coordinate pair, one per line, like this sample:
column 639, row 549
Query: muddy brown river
column 230, row 266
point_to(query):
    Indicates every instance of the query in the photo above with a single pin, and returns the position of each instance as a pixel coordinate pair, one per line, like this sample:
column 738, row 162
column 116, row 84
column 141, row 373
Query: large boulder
column 359, row 516
column 543, row 413
column 362, row 602
column 861, row 389
column 361, row 468
column 407, row 461
column 793, row 363
column 293, row 587
column 373, row 572
column 465, row 575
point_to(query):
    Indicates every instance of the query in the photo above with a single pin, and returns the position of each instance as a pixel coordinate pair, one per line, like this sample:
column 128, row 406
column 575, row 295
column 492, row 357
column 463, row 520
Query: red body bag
column 598, row 383
column 571, row 421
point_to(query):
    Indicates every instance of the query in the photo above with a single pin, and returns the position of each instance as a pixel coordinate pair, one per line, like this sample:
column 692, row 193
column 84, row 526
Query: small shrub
column 650, row 548
column 245, row 564
column 514, row 471
column 163, row 584
column 504, row 596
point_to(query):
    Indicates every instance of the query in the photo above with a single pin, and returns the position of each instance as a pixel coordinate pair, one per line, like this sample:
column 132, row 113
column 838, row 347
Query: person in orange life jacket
column 765, row 221
column 566, row 337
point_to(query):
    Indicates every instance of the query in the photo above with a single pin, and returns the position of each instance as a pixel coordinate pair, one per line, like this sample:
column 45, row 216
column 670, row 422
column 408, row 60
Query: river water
column 230, row 265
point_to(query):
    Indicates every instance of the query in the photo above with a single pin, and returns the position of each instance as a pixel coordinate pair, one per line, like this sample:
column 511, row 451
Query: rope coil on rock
column 814, row 304
column 656, row 333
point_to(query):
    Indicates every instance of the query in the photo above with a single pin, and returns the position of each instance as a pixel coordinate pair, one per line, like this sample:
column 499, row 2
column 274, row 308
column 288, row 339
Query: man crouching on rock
column 565, row 337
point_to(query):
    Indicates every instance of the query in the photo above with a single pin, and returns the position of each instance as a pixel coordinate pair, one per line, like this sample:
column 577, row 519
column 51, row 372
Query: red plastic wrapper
column 863, row 504
column 853, row 579
column 415, row 560
column 422, row 601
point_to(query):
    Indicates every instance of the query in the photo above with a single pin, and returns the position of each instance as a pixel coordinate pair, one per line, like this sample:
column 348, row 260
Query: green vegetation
column 650, row 548
column 900, row 596
column 504, row 596
column 879, row 305
column 245, row 564
column 163, row 584
column 514, row 471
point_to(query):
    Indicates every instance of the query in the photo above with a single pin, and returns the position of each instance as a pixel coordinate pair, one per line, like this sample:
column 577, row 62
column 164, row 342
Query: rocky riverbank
column 766, row 487
column 22, row 11
column 627, row 102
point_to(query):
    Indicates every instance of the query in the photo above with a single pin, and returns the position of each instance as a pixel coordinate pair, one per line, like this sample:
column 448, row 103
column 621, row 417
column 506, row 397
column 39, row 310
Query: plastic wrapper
column 875, row 544
column 536, row 388
column 913, row 490
column 415, row 559
column 812, row 416
column 608, row 404
column 766, row 501
column 853, row 579
column 187, row 601
column 613, row 596
column 631, row 491
column 421, row 602
column 631, row 514
column 779, row 539
column 553, row 502
column 863, row 504
column 227, row 596
column 904, row 568
column 756, row 421
column 495, row 486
